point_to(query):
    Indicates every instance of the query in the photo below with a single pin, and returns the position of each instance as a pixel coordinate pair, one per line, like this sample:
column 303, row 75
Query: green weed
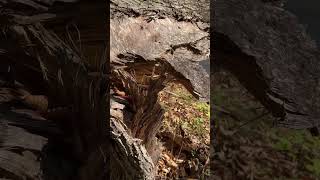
column 204, row 108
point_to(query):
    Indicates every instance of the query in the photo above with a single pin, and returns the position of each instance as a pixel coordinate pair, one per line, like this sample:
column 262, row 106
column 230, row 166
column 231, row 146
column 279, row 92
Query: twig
column 206, row 165
column 174, row 94
column 103, row 155
column 226, row 112
column 252, row 120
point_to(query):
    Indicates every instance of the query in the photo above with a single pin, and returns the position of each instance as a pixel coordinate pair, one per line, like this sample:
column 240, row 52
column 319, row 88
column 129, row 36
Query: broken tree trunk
column 152, row 43
column 41, row 47
column 35, row 49
column 267, row 49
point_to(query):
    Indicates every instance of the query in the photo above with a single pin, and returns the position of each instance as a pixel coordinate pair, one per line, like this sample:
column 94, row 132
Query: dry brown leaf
column 169, row 161
column 37, row 102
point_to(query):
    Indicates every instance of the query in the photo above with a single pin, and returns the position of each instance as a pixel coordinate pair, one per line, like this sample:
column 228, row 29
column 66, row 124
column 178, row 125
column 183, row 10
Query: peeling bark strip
column 272, row 56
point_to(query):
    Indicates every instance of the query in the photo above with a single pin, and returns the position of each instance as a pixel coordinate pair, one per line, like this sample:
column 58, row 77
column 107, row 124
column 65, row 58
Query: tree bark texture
column 271, row 54
column 153, row 43
column 48, row 47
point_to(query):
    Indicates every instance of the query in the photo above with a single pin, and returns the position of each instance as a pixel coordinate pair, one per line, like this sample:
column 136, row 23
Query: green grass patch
column 314, row 167
column 203, row 107
column 283, row 144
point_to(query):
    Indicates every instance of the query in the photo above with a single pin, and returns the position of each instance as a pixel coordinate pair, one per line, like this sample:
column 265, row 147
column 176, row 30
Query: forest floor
column 184, row 135
column 250, row 146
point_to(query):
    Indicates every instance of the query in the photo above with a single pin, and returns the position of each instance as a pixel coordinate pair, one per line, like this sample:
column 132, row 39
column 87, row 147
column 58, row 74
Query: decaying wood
column 42, row 46
column 127, row 152
column 182, row 44
column 153, row 43
column 48, row 47
column 24, row 138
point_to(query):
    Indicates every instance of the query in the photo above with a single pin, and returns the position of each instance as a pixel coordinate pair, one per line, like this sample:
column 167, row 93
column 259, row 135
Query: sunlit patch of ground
column 185, row 135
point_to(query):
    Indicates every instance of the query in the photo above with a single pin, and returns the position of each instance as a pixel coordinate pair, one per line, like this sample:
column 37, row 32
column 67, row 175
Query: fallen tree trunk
column 54, row 64
column 267, row 49
column 153, row 43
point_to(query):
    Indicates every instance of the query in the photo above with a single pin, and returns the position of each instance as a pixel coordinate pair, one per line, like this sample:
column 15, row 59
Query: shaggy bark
column 47, row 63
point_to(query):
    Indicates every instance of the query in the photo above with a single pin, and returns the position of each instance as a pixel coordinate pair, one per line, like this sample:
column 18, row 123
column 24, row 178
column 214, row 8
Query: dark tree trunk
column 270, row 53
column 41, row 45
